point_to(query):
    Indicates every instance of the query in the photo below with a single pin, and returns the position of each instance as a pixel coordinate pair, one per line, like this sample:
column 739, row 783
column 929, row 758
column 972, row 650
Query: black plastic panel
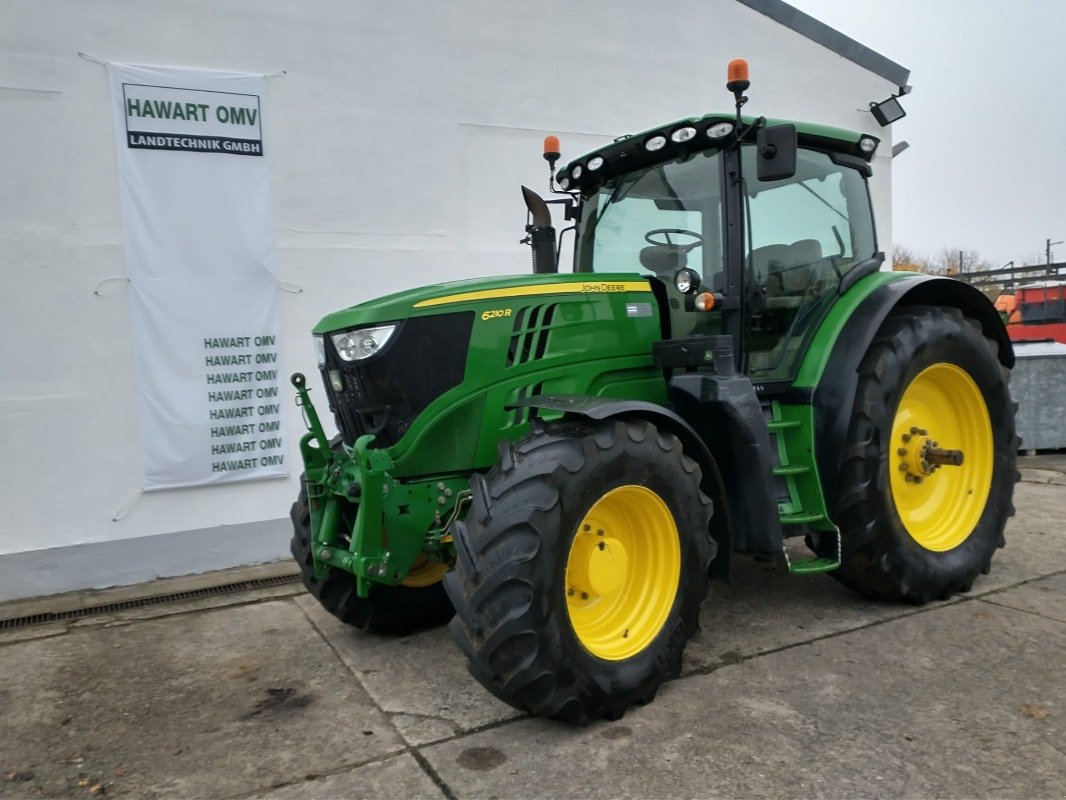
column 383, row 395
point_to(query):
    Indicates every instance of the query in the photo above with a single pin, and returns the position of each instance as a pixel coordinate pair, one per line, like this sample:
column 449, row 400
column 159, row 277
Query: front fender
column 603, row 408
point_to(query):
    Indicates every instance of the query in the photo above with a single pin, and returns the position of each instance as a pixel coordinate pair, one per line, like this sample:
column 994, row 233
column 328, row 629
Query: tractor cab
column 679, row 218
column 759, row 225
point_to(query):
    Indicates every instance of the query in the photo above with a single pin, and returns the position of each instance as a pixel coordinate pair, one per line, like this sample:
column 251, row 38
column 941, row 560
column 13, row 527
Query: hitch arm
column 310, row 415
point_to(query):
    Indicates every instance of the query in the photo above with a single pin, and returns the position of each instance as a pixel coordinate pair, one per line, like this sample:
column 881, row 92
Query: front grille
column 383, row 395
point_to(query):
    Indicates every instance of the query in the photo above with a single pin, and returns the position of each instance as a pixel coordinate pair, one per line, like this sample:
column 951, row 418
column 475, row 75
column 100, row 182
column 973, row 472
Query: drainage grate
column 176, row 597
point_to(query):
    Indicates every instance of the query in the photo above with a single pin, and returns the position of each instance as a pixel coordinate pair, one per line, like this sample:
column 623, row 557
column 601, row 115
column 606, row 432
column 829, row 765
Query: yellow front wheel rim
column 622, row 572
column 942, row 411
column 424, row 573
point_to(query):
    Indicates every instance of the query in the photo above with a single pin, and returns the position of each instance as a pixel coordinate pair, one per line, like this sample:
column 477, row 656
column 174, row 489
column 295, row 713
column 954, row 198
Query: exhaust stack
column 541, row 233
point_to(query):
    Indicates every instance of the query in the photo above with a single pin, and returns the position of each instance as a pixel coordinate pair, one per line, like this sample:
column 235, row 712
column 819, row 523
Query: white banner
column 199, row 237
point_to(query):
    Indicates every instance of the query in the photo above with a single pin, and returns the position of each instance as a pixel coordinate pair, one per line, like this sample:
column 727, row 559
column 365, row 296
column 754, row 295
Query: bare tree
column 956, row 261
column 906, row 259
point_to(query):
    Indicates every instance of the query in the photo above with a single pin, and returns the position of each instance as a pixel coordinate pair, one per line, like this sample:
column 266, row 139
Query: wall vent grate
column 124, row 605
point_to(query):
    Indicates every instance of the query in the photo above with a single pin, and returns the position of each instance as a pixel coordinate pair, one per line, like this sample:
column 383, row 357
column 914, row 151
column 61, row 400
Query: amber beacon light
column 551, row 149
column 737, row 75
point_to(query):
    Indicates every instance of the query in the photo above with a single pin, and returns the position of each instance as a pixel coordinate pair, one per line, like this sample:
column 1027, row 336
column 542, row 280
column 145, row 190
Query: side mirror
column 775, row 149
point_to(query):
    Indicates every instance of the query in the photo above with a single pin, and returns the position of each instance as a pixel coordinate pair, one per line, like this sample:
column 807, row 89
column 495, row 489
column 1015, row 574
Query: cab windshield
column 657, row 220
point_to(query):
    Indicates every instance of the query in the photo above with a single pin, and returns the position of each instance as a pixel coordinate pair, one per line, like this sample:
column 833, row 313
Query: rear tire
column 556, row 621
column 907, row 533
column 396, row 610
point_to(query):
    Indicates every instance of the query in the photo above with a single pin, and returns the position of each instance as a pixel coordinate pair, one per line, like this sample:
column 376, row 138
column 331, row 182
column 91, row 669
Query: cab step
column 801, row 518
column 812, row 566
column 815, row 565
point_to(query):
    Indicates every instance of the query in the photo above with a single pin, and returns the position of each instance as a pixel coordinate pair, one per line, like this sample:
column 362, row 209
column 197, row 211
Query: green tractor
column 563, row 460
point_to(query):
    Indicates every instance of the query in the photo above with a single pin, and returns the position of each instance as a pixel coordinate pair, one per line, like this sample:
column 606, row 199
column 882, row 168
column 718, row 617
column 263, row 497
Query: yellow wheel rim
column 622, row 572
column 424, row 573
column 941, row 412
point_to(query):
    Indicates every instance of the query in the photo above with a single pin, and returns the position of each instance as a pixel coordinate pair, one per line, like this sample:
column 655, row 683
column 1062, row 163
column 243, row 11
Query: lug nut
column 901, row 451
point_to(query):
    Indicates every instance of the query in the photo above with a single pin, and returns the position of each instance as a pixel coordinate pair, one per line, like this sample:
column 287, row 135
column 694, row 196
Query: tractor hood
column 477, row 293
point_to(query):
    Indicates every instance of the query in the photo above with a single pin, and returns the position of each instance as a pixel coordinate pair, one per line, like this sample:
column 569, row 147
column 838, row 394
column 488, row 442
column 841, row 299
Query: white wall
column 398, row 139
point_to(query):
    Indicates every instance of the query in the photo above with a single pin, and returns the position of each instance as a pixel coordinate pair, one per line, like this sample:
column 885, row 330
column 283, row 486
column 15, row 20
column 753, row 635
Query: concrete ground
column 796, row 687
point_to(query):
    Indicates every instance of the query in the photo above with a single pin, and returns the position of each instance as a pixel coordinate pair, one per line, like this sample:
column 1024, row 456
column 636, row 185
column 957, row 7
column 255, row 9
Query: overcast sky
column 986, row 123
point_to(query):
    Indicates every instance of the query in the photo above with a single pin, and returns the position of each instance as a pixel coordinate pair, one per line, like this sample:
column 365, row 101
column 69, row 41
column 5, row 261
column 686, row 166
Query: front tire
column 395, row 610
column 581, row 568
column 914, row 526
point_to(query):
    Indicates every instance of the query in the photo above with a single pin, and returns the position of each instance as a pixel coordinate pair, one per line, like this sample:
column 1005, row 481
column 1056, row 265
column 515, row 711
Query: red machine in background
column 1035, row 311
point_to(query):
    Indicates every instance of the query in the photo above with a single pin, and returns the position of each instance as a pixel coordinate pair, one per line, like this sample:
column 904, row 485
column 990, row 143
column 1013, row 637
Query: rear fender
column 834, row 393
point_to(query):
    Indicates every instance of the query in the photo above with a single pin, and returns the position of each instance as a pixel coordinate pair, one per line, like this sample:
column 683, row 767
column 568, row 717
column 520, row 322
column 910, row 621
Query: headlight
column 576, row 172
column 867, row 145
column 686, row 280
column 595, row 163
column 320, row 350
column 720, row 130
column 657, row 142
column 363, row 343
column 683, row 134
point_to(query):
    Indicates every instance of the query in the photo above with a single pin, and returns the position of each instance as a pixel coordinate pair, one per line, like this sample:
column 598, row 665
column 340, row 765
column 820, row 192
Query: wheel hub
column 920, row 455
column 600, row 568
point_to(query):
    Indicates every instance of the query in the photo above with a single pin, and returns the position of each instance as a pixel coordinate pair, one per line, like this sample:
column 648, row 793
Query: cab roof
column 630, row 152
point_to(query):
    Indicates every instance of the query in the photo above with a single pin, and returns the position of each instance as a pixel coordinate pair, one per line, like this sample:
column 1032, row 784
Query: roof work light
column 887, row 111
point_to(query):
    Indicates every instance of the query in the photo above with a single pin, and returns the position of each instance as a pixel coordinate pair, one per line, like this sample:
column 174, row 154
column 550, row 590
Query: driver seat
column 663, row 259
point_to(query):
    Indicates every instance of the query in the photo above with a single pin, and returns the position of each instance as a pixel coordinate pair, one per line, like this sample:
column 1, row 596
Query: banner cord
column 278, row 73
column 102, row 281
column 125, row 508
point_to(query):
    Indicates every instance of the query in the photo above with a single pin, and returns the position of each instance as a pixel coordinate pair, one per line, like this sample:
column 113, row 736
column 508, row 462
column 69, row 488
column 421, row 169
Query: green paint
column 793, row 429
column 813, row 566
column 399, row 512
column 821, row 347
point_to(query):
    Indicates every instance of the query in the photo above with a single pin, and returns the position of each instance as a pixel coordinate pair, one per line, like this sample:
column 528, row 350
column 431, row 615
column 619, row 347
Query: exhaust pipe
column 541, row 233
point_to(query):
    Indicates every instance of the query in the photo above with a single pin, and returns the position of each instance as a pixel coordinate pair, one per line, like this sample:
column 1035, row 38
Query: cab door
column 804, row 234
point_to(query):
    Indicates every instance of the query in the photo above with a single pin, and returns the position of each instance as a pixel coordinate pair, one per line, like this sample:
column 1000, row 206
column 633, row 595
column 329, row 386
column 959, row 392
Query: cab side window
column 806, row 233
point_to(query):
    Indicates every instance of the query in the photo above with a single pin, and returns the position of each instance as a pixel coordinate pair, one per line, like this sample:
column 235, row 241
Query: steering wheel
column 649, row 237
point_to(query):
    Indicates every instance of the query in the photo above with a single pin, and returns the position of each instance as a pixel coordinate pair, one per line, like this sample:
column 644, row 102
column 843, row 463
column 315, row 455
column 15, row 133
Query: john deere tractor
column 566, row 458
